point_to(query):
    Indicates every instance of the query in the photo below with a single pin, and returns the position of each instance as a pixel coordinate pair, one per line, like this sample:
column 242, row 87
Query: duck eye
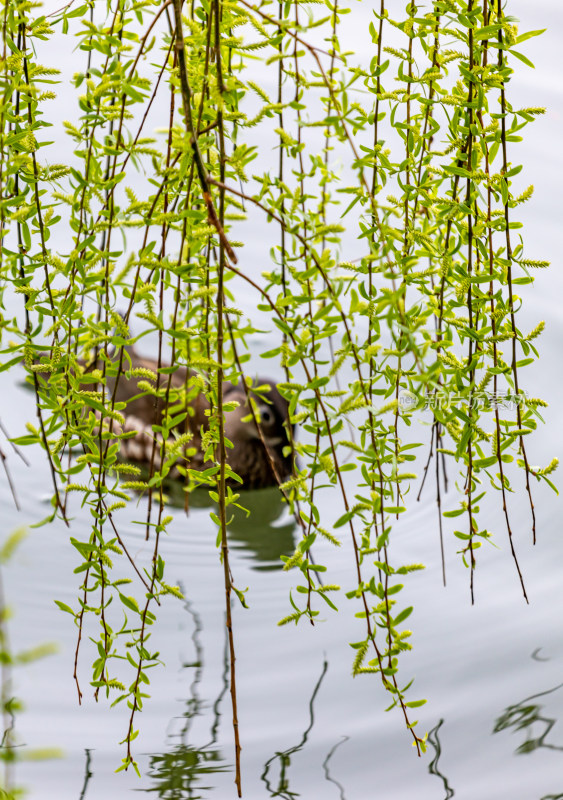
column 266, row 416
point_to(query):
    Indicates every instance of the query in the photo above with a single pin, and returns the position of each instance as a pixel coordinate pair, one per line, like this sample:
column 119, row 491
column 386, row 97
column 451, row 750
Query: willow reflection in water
column 284, row 757
column 433, row 768
column 88, row 774
column 178, row 772
column 184, row 772
column 261, row 528
column 526, row 715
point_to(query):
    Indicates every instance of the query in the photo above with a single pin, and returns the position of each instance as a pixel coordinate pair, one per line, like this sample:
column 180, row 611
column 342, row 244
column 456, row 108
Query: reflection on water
column 257, row 532
column 87, row 774
column 527, row 715
column 536, row 655
column 183, row 772
column 523, row 717
column 178, row 773
column 328, row 776
column 284, row 757
column 433, row 768
column 260, row 530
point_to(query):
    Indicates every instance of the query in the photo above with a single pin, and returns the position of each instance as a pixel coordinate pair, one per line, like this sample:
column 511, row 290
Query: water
column 492, row 673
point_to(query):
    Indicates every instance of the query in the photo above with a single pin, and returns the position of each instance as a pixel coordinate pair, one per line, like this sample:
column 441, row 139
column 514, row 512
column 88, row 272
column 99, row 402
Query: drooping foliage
column 385, row 184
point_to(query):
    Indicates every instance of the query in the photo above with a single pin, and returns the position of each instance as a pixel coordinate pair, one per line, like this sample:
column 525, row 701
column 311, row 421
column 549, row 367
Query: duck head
column 258, row 439
column 270, row 412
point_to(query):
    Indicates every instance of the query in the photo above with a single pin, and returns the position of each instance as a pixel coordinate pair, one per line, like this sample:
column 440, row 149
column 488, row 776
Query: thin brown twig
column 200, row 166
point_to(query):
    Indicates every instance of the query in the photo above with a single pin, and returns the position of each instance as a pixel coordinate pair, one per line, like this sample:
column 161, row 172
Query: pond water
column 492, row 672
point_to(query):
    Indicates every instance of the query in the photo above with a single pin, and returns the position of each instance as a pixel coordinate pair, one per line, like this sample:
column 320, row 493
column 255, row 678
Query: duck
column 258, row 443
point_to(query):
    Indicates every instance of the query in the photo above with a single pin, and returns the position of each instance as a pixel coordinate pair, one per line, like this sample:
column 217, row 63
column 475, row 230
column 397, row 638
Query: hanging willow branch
column 387, row 292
